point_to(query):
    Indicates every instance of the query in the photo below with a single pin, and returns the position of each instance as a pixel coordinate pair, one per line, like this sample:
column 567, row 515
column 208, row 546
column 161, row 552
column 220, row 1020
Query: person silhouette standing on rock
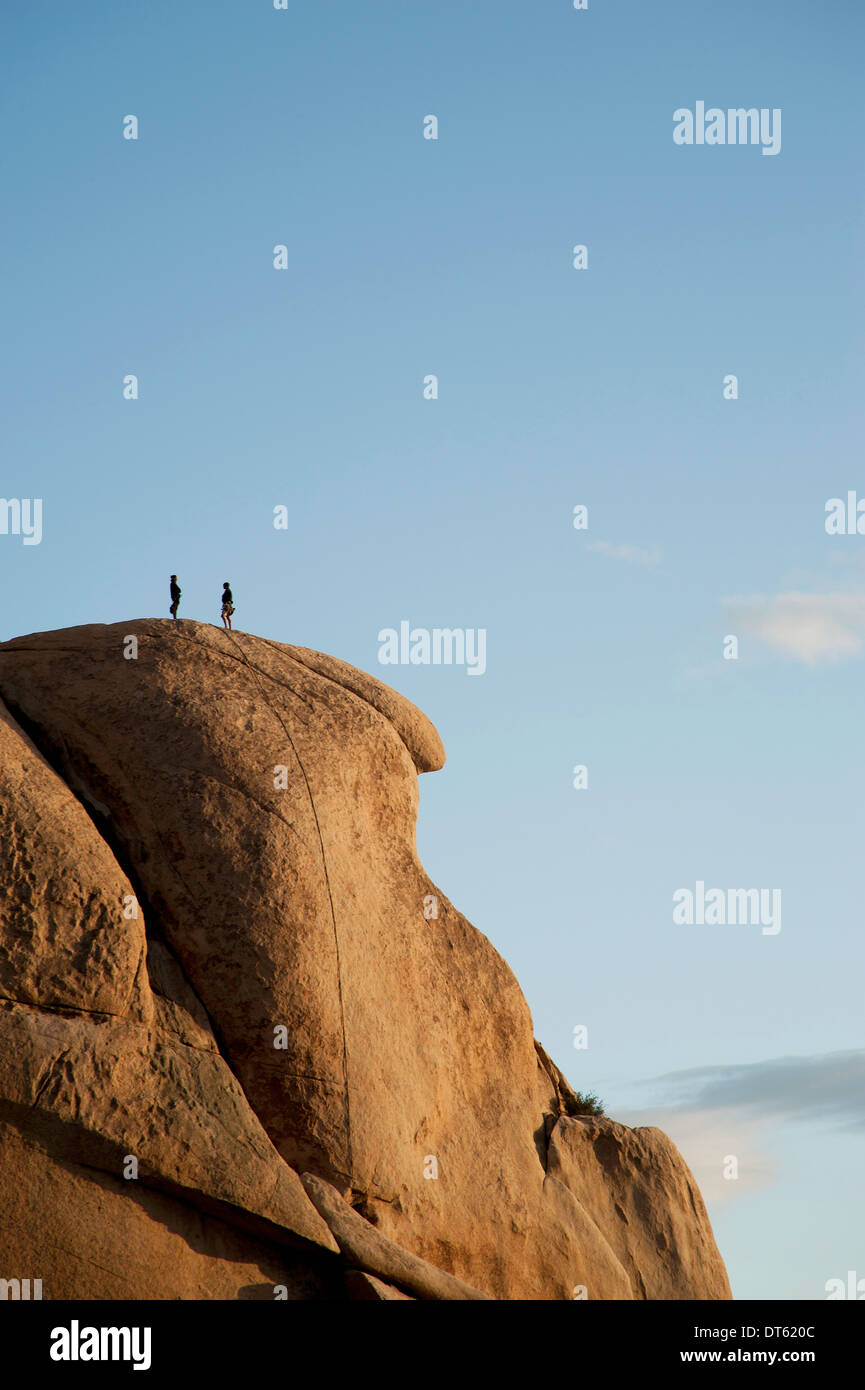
column 175, row 597
column 227, row 606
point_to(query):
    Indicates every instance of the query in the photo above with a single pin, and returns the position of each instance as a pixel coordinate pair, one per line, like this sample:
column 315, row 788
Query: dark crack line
column 60, row 1009
column 356, row 695
column 243, row 792
column 279, row 719
column 243, row 659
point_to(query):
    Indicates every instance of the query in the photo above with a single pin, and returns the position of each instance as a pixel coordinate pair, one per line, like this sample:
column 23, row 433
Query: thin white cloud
column 708, row 1140
column 813, row 628
column 632, row 554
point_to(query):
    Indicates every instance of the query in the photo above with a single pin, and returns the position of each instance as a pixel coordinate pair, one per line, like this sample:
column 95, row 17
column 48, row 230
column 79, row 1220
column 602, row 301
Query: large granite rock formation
column 239, row 1023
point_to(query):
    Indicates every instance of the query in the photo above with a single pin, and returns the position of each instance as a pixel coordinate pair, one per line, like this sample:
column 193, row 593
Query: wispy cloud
column 830, row 1086
column 632, row 554
column 812, row 628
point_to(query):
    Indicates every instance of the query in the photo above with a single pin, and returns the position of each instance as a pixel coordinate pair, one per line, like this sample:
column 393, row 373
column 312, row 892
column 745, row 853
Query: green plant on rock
column 580, row 1104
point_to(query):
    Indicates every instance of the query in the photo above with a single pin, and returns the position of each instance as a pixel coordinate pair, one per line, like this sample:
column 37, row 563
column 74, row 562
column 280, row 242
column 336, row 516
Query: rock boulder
column 294, row 988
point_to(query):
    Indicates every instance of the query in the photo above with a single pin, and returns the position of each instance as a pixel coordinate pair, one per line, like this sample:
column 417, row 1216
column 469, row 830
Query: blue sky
column 557, row 387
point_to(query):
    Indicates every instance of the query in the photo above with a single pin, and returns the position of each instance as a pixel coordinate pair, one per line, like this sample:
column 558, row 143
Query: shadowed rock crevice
column 65, row 1142
column 96, row 1236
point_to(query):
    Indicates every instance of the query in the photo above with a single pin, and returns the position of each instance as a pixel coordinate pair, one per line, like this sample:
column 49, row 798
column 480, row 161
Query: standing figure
column 175, row 597
column 227, row 606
